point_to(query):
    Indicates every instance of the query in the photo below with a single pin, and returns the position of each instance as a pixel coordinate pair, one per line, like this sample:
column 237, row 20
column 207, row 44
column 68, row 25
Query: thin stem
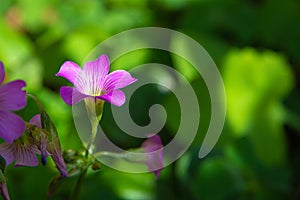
column 92, row 138
column 94, row 110
column 133, row 156
column 84, row 171
column 78, row 185
column 110, row 154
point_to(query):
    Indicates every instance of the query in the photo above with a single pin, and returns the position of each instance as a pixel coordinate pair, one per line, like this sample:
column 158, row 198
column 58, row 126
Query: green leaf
column 217, row 179
column 46, row 122
column 13, row 45
column 35, row 14
column 182, row 65
column 59, row 186
column 128, row 185
column 256, row 83
column 48, row 125
column 55, row 184
column 78, row 39
column 30, row 72
column 61, row 116
column 251, row 79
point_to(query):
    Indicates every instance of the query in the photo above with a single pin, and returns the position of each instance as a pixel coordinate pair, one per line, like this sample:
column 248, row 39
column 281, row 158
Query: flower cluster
column 48, row 143
column 23, row 141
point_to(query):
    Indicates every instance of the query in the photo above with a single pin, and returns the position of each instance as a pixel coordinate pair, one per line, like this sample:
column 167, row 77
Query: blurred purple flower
column 154, row 149
column 23, row 151
column 36, row 121
column 49, row 147
column 4, row 191
column 3, row 186
column 12, row 98
column 94, row 81
column 56, row 155
column 41, row 139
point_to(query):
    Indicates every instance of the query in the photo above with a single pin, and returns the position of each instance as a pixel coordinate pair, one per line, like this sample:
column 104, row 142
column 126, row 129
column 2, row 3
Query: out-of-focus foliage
column 256, row 47
column 251, row 80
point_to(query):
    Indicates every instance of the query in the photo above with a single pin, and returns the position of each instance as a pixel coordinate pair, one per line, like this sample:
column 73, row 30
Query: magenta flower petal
column 153, row 147
column 2, row 72
column 12, row 97
column 96, row 70
column 4, row 191
column 22, row 152
column 11, row 126
column 71, row 95
column 25, row 156
column 44, row 152
column 36, row 120
column 94, row 81
column 116, row 97
column 118, row 79
column 69, row 70
column 50, row 145
column 6, row 151
column 93, row 77
column 41, row 142
column 56, row 155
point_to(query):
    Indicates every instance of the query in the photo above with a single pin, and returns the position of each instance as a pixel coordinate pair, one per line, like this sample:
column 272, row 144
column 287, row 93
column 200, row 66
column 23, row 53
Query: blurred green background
column 255, row 44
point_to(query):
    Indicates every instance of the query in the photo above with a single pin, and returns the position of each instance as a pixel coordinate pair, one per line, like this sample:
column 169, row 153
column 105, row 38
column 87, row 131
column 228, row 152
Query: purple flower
column 49, row 147
column 56, row 155
column 12, row 98
column 94, row 81
column 36, row 121
column 153, row 147
column 4, row 191
column 41, row 138
column 3, row 187
column 23, row 151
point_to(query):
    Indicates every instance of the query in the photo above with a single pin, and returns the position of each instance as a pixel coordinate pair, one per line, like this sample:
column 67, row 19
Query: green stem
column 78, row 185
column 111, row 154
column 92, row 138
column 133, row 156
column 94, row 110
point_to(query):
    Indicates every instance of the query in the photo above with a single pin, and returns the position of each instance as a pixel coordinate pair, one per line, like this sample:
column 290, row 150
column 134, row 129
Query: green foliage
column 218, row 179
column 251, row 80
column 256, row 47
